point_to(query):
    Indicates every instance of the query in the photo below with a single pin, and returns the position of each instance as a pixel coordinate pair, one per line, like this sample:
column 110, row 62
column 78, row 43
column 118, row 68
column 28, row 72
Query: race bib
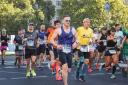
column 112, row 51
column 91, row 48
column 104, row 42
column 30, row 43
column 84, row 48
column 118, row 42
column 127, row 58
column 20, row 47
column 42, row 41
column 66, row 48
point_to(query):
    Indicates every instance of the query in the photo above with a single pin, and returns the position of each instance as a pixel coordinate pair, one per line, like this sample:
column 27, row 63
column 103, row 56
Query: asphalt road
column 11, row 75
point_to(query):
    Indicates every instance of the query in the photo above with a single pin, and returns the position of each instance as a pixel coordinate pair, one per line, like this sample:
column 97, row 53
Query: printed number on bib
column 91, row 48
column 66, row 48
column 30, row 42
column 112, row 51
column 20, row 47
column 84, row 48
column 105, row 42
column 42, row 41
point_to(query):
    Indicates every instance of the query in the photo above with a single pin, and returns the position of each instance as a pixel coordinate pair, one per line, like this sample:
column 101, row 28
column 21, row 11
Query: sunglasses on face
column 30, row 28
column 67, row 20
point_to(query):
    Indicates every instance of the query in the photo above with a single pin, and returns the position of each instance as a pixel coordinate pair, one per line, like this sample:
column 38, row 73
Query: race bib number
column 42, row 41
column 30, row 43
column 118, row 42
column 104, row 42
column 66, row 48
column 112, row 51
column 20, row 47
column 84, row 49
column 91, row 48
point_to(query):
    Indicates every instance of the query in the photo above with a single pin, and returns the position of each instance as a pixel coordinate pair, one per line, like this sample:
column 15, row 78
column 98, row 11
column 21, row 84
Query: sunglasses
column 30, row 28
column 68, row 20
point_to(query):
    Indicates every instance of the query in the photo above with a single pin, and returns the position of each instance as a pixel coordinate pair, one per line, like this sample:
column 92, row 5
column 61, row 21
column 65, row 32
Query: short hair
column 65, row 16
column 42, row 26
column 56, row 21
column 117, row 25
column 85, row 19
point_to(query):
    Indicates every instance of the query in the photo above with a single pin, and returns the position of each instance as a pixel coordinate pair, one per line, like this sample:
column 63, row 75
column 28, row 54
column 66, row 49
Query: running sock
column 114, row 69
column 2, row 60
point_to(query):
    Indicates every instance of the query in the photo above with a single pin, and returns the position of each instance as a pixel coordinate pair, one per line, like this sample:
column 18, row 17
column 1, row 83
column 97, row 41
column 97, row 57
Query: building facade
column 57, row 4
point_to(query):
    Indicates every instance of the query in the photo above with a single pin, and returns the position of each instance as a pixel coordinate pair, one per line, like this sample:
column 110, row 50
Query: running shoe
column 82, row 79
column 113, row 76
column 28, row 74
column 33, row 73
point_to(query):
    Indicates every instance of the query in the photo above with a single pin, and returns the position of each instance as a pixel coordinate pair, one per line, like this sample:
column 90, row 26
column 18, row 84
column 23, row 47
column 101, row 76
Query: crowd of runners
column 64, row 46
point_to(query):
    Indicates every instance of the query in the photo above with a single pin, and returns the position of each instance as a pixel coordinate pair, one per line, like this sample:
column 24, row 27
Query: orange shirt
column 50, row 31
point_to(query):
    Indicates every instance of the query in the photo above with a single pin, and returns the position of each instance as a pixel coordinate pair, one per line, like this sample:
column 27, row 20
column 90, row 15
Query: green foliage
column 16, row 13
column 49, row 10
column 95, row 10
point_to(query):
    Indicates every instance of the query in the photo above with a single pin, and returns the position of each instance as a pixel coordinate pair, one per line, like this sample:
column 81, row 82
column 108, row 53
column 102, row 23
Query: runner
column 124, row 46
column 55, row 67
column 31, row 38
column 84, row 38
column 66, row 36
column 18, row 41
column 41, row 50
column 49, row 51
column 4, row 44
column 111, row 58
column 92, row 50
column 119, row 35
column 101, row 46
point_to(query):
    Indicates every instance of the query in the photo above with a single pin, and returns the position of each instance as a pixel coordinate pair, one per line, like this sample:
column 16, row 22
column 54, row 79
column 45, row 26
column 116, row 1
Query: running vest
column 18, row 39
column 111, row 43
column 66, row 39
column 119, row 37
column 41, row 36
column 103, row 37
column 5, row 38
column 19, row 45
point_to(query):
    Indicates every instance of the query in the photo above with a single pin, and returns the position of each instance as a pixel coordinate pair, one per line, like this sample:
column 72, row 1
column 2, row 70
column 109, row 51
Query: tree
column 95, row 10
column 14, row 13
column 49, row 10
